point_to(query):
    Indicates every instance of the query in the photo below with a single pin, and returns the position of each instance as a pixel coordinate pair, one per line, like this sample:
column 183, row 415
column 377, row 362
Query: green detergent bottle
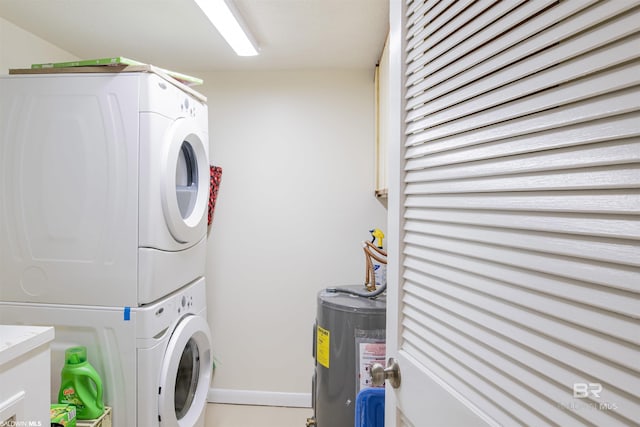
column 81, row 385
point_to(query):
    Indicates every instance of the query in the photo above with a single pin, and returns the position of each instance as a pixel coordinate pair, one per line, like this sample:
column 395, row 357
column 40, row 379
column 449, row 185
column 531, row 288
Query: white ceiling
column 174, row 34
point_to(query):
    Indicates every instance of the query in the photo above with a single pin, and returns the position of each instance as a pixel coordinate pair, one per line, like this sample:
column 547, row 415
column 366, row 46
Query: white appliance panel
column 68, row 157
column 86, row 206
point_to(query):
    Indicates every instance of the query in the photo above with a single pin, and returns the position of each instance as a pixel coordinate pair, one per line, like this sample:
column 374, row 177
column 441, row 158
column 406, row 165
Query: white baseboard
column 259, row 398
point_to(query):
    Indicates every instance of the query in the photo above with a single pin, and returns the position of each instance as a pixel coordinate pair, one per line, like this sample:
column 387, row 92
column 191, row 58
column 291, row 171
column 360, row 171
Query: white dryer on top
column 104, row 187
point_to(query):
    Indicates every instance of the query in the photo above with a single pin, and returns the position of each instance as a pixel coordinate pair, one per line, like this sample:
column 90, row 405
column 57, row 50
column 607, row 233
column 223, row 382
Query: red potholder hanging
column 214, row 184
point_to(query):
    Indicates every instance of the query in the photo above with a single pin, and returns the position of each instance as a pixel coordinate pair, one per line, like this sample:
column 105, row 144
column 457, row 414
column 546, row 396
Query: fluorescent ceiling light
column 225, row 17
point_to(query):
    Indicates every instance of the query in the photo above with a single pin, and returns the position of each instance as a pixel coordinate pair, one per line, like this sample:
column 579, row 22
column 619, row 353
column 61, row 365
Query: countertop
column 16, row 340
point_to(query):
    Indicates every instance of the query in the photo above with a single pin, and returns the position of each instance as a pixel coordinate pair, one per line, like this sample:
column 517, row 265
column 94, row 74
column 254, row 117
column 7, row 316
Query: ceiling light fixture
column 225, row 17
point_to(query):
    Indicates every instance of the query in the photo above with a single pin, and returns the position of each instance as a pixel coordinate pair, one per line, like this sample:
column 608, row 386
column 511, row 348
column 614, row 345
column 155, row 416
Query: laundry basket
column 103, row 421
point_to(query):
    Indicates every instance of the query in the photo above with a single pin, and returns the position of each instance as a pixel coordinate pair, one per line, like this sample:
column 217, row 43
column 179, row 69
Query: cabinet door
column 382, row 121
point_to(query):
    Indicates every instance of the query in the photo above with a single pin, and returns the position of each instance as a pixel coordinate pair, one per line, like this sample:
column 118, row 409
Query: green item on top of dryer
column 117, row 61
column 81, row 385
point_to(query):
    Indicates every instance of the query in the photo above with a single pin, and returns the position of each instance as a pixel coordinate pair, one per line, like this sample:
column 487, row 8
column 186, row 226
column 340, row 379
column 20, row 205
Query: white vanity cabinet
column 25, row 375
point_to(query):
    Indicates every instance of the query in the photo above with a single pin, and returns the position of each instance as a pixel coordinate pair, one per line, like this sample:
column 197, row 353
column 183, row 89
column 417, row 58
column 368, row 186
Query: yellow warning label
column 323, row 338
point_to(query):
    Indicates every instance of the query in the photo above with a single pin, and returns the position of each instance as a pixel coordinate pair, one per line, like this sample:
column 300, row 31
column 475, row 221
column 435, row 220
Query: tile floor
column 255, row 416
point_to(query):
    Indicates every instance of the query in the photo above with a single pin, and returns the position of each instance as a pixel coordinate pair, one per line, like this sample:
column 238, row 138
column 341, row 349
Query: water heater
column 349, row 336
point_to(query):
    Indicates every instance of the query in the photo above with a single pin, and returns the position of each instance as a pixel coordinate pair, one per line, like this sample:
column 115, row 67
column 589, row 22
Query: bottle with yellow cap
column 81, row 385
column 379, row 257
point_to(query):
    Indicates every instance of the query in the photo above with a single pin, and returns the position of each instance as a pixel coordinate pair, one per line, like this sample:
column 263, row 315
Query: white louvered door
column 514, row 190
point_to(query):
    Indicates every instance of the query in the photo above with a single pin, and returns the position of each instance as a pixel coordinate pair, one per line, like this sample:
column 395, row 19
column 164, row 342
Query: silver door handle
column 391, row 373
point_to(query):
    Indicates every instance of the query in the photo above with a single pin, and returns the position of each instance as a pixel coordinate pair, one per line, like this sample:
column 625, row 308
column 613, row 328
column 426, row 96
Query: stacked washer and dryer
column 104, row 189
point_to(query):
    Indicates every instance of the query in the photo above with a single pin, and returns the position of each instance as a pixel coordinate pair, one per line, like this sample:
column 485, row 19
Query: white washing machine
column 155, row 361
column 104, row 186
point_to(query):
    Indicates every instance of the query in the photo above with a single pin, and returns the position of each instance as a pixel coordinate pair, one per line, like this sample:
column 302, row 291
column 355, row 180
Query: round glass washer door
column 186, row 373
column 185, row 188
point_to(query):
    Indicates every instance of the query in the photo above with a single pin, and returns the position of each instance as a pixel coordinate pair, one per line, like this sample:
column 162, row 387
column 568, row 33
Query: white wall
column 296, row 200
column 20, row 49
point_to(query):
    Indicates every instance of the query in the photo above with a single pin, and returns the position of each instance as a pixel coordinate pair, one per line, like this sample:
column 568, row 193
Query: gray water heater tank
column 349, row 336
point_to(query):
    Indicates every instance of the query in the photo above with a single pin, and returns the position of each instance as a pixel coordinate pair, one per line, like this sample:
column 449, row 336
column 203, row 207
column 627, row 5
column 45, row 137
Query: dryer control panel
column 154, row 319
column 159, row 96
